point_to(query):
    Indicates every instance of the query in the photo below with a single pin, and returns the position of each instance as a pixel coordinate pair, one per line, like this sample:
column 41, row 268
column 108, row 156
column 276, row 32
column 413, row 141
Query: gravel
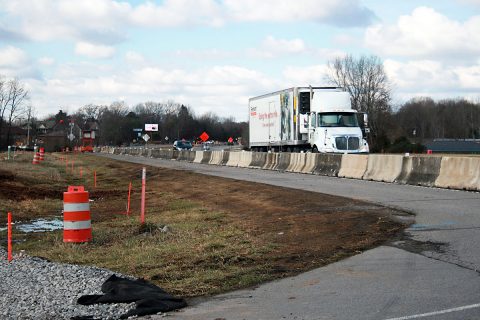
column 33, row 288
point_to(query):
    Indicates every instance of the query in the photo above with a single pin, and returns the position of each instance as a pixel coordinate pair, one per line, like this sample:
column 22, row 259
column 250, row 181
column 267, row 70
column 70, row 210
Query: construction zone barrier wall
column 216, row 157
column 383, row 167
column 271, row 161
column 310, row 162
column 245, row 159
column 327, row 164
column 297, row 162
column 198, row 157
column 207, row 155
column 353, row 166
column 459, row 173
column 283, row 161
column 258, row 160
column 420, row 170
column 456, row 172
column 225, row 157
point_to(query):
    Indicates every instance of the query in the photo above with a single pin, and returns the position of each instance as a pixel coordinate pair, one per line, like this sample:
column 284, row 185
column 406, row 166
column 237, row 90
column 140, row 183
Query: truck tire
column 314, row 149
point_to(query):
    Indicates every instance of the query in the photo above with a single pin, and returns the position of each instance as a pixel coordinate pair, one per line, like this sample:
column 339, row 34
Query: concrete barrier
column 207, row 155
column 226, row 156
column 283, row 161
column 245, row 159
column 420, row 170
column 258, row 160
column 297, row 162
column 310, row 162
column 234, row 159
column 271, row 161
column 216, row 157
column 198, row 157
column 144, row 152
column 328, row 164
column 182, row 155
column 353, row 166
column 191, row 156
column 459, row 173
column 383, row 167
column 156, row 153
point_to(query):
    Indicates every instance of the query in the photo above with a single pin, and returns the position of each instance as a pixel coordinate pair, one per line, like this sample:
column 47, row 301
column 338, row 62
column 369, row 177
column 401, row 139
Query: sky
column 213, row 55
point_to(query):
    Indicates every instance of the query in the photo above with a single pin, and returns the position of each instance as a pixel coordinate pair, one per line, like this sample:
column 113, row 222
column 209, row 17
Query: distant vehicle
column 182, row 145
column 206, row 146
column 316, row 119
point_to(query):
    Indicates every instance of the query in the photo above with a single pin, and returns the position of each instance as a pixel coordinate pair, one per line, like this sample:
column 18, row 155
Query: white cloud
column 272, row 47
column 94, row 50
column 426, row 33
column 223, row 90
column 304, row 76
column 340, row 12
column 174, row 13
column 15, row 63
column 433, row 78
column 106, row 21
column 134, row 57
column 44, row 20
column 12, row 57
column 46, row 61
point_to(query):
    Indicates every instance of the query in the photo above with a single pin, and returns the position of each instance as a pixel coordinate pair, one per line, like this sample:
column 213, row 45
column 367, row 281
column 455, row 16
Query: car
column 182, row 145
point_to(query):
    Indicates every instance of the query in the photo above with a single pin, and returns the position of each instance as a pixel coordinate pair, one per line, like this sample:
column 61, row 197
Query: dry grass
column 184, row 247
column 203, row 235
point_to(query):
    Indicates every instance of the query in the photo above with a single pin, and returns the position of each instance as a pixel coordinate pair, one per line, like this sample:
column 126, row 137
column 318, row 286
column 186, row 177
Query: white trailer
column 320, row 119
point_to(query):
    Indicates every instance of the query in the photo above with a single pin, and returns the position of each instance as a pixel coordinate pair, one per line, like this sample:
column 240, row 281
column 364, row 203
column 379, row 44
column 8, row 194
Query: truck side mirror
column 365, row 119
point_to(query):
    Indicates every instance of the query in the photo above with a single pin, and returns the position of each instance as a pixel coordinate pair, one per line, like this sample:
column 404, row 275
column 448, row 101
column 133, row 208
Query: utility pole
column 28, row 124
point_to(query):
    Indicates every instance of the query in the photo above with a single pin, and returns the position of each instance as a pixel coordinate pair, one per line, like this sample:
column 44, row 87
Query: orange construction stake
column 129, row 193
column 142, row 207
column 9, row 240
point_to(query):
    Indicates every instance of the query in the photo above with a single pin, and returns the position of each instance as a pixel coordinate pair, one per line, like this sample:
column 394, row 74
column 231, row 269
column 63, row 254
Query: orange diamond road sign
column 204, row 136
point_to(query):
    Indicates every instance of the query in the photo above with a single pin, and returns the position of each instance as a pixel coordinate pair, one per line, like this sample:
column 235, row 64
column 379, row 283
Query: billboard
column 151, row 127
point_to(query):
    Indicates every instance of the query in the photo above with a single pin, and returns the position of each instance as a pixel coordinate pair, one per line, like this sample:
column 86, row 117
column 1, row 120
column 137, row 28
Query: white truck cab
column 333, row 124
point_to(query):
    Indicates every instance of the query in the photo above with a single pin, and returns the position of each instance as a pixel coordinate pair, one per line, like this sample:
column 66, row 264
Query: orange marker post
column 142, row 207
column 9, row 240
column 128, row 201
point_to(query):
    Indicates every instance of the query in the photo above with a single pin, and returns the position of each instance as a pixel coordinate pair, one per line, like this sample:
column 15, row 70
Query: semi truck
column 316, row 119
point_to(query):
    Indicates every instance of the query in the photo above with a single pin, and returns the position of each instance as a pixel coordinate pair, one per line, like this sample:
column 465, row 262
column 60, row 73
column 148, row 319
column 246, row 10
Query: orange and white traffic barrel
column 36, row 158
column 42, row 154
column 77, row 225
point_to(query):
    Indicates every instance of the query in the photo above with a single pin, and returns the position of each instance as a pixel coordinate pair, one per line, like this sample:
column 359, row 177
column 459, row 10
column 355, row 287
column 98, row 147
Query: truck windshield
column 337, row 119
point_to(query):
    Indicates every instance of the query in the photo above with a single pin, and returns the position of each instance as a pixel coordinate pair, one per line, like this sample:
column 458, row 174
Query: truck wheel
column 315, row 149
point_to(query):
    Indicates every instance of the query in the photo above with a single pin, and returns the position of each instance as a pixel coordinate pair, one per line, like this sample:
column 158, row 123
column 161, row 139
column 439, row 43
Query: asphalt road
column 429, row 274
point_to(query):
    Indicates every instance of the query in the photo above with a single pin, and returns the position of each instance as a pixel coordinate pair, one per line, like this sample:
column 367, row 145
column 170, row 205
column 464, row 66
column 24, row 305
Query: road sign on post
column 204, row 136
column 146, row 137
column 151, row 127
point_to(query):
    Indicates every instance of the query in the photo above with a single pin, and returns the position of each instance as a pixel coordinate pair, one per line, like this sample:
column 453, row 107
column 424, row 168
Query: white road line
column 429, row 314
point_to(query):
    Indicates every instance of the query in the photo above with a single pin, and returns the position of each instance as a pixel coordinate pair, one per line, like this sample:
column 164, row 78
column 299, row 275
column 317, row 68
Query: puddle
column 40, row 225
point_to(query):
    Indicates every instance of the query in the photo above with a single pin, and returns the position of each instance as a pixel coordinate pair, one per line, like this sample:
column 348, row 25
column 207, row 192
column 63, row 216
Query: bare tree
column 12, row 98
column 364, row 78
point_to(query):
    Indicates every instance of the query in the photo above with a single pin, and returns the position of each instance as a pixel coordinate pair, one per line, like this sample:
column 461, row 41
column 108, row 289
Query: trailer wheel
column 315, row 149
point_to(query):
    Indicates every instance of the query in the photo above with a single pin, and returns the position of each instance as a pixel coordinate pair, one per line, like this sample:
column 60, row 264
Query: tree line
column 116, row 123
